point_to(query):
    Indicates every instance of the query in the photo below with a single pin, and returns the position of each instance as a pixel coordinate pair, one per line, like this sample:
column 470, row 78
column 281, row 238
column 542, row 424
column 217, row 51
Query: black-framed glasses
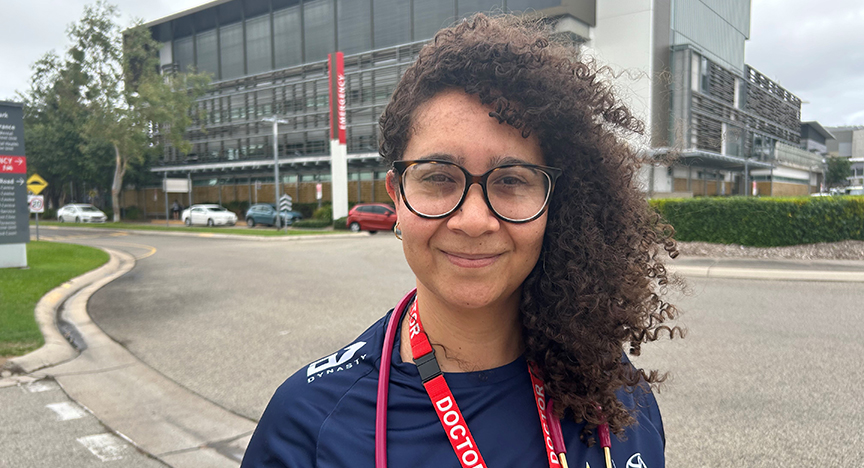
column 516, row 193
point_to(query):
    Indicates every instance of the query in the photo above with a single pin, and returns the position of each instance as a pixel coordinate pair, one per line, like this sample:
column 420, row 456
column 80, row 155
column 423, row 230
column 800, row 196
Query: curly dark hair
column 599, row 279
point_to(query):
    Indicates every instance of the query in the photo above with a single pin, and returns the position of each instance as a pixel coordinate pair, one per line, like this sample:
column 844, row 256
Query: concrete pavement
column 182, row 429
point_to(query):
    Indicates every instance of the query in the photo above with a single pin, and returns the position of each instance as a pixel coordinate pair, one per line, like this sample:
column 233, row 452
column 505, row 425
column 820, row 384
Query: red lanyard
column 451, row 417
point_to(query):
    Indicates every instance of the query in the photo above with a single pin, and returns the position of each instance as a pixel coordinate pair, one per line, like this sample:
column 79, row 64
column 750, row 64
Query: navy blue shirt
column 324, row 416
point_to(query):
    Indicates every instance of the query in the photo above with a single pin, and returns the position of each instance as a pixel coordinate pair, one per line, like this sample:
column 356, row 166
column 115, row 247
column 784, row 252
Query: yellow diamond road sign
column 36, row 184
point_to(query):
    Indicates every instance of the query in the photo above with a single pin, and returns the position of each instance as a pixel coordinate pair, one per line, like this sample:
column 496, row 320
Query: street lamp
column 276, row 121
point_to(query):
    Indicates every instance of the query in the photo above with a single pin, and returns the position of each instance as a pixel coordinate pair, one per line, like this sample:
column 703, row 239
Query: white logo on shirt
column 635, row 461
column 335, row 363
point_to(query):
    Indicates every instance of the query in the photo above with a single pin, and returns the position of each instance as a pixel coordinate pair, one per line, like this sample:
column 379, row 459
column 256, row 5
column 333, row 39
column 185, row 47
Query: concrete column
column 339, row 178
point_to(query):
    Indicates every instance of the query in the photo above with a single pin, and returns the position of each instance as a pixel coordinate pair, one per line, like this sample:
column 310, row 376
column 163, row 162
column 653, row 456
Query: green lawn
column 51, row 265
column 266, row 232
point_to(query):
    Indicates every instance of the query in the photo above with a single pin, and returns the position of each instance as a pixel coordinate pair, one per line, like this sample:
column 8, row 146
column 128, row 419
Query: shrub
column 312, row 223
column 340, row 224
column 324, row 213
column 131, row 212
column 764, row 222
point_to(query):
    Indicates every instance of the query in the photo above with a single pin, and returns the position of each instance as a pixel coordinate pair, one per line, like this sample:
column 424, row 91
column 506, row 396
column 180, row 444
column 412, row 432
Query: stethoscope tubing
column 384, row 380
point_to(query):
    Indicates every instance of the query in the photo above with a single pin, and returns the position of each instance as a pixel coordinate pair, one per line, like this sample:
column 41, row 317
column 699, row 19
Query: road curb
column 154, row 413
column 768, row 274
column 56, row 349
column 209, row 235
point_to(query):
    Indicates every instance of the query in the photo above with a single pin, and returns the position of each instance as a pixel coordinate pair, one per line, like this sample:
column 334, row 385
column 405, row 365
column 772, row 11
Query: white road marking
column 106, row 447
column 67, row 411
column 41, row 386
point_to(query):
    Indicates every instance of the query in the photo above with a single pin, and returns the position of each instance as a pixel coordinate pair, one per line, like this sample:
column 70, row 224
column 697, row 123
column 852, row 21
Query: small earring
column 396, row 231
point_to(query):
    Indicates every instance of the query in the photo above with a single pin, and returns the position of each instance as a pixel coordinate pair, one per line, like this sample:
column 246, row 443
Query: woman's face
column 470, row 259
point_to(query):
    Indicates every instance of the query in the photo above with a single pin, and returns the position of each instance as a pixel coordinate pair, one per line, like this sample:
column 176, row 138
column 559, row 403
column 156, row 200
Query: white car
column 210, row 215
column 81, row 213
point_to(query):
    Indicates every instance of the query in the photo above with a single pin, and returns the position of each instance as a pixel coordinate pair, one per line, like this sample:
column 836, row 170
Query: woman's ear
column 390, row 182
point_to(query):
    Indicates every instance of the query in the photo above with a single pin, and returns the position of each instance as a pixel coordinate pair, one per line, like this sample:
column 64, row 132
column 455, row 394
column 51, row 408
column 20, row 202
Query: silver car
column 209, row 215
column 80, row 213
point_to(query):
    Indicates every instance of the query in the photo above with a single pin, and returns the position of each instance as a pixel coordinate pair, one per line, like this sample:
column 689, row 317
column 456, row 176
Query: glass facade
column 392, row 22
column 354, row 20
column 279, row 47
column 259, row 57
column 184, row 53
column 208, row 53
column 288, row 37
column 318, row 29
column 231, row 51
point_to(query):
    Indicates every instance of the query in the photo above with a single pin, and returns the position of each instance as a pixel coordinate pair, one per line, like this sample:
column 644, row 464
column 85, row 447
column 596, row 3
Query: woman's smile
column 466, row 260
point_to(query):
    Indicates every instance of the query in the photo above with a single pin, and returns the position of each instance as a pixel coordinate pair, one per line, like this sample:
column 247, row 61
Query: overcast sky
column 812, row 48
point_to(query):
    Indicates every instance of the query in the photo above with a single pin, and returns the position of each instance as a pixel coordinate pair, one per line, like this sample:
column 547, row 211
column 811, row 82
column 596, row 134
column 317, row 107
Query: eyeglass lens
column 516, row 192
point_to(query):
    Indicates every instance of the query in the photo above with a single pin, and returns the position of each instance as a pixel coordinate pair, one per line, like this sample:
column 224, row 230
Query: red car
column 371, row 217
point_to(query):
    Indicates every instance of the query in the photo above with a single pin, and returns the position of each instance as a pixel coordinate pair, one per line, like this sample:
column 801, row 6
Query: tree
column 130, row 104
column 838, row 171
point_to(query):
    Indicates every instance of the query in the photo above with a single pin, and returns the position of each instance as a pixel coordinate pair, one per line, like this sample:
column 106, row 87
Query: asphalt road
column 767, row 376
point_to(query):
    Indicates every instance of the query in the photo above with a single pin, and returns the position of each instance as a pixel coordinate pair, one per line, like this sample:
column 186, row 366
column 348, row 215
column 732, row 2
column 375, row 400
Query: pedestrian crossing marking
column 67, row 411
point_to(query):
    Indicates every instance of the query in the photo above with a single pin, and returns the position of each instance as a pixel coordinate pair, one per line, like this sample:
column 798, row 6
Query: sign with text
column 338, row 99
column 11, row 129
column 175, row 185
column 14, row 212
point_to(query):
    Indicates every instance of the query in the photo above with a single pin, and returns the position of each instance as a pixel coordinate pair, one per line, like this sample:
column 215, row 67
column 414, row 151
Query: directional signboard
column 36, row 184
column 14, row 214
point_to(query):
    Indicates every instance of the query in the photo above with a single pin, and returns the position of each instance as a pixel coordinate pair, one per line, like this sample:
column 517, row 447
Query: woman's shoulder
column 289, row 427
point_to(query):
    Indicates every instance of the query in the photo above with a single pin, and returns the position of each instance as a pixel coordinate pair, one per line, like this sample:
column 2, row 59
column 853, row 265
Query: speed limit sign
column 37, row 203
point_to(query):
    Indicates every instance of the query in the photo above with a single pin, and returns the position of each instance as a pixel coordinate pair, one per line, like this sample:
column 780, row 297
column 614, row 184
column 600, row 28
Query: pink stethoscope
column 384, row 383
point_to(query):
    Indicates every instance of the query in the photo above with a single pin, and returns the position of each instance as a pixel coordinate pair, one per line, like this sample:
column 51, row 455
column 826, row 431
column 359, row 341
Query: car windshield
column 216, row 208
column 89, row 209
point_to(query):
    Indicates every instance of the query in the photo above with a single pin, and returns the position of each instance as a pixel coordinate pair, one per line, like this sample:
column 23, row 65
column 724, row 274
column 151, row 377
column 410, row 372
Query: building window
column 355, row 23
column 287, row 37
column 231, row 53
column 320, row 35
column 432, row 15
column 392, row 22
column 184, row 53
column 705, row 77
column 208, row 60
column 258, row 57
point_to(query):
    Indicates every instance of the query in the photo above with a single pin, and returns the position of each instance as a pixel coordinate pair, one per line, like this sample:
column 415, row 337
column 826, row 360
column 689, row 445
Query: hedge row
column 764, row 222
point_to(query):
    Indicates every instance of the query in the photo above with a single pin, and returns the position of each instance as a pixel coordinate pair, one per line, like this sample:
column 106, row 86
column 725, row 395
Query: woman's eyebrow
column 504, row 160
column 443, row 157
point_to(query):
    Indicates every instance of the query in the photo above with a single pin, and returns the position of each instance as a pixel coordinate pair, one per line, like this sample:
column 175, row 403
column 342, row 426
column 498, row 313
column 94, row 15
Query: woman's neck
column 467, row 340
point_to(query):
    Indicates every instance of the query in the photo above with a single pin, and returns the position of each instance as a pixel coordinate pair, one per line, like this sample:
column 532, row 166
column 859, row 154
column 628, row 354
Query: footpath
column 83, row 400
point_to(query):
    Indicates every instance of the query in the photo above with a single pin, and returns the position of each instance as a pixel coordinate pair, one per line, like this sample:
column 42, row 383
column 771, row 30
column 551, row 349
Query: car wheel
column 77, row 219
column 189, row 221
column 354, row 227
column 60, row 218
column 250, row 222
column 209, row 223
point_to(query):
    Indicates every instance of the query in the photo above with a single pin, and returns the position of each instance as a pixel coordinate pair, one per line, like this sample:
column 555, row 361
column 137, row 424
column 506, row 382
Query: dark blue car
column 265, row 213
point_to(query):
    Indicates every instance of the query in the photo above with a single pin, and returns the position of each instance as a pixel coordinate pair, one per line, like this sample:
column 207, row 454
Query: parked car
column 265, row 213
column 80, row 213
column 210, row 215
column 371, row 217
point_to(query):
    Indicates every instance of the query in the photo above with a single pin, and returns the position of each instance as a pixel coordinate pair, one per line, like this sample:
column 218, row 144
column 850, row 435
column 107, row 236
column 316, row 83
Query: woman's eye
column 437, row 178
column 510, row 181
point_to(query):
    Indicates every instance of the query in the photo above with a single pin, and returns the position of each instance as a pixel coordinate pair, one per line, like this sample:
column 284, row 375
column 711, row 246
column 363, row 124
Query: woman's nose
column 474, row 217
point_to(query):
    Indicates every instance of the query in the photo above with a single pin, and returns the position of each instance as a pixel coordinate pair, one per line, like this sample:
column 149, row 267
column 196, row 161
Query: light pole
column 276, row 121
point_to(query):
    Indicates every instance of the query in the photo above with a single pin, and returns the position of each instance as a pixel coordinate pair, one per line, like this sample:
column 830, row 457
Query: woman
column 536, row 263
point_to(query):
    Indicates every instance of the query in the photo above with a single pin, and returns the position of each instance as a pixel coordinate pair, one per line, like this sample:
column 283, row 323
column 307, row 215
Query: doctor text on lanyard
column 451, row 417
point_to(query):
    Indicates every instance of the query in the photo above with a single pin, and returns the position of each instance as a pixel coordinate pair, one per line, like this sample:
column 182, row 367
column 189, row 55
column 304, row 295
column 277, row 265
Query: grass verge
column 199, row 230
column 51, row 265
